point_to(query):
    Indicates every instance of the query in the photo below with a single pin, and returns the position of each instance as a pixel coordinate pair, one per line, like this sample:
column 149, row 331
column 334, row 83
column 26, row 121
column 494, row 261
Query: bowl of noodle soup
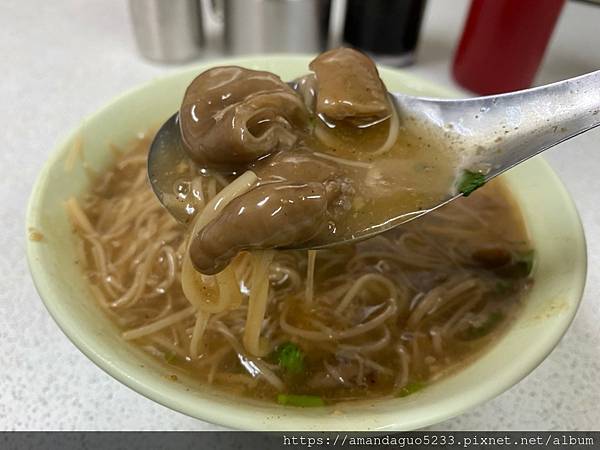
column 121, row 131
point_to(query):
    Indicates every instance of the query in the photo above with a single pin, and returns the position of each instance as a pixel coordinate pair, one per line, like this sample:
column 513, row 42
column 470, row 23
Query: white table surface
column 63, row 59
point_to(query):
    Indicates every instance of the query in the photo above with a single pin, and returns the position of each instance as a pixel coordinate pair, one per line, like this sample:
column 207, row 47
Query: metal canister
column 167, row 31
column 267, row 26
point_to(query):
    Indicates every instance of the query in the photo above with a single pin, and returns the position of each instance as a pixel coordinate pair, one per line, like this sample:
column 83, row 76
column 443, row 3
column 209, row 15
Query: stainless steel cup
column 167, row 30
column 267, row 26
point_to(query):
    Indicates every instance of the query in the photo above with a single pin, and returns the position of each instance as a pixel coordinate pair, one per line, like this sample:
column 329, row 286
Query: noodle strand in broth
column 372, row 319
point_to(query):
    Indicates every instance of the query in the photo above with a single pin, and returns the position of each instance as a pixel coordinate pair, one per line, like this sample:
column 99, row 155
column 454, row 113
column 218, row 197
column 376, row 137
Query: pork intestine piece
column 231, row 116
column 349, row 87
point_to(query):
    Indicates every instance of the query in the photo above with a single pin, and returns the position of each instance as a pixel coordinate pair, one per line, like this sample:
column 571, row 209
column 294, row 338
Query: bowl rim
column 224, row 415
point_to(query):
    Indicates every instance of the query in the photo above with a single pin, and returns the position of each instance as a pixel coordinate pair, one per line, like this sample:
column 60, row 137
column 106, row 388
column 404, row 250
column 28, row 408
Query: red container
column 503, row 44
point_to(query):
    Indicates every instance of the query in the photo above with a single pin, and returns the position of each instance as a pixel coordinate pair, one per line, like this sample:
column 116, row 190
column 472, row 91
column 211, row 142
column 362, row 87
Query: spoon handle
column 500, row 131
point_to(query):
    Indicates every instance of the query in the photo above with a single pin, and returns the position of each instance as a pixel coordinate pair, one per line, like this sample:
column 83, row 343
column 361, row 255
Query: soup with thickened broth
column 225, row 300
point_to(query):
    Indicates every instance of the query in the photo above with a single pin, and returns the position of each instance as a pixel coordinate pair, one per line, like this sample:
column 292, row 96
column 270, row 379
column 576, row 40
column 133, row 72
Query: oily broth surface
column 431, row 252
column 417, row 173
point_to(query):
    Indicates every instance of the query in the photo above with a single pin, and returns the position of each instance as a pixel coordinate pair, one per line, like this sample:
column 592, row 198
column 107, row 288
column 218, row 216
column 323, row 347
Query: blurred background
column 488, row 47
column 62, row 60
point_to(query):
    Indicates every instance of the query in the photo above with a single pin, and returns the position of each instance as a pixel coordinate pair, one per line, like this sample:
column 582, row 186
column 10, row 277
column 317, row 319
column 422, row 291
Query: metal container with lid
column 167, row 31
column 267, row 26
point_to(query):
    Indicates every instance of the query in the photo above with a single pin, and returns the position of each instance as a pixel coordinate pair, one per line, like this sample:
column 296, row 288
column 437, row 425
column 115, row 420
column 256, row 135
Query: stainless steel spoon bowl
column 492, row 134
column 165, row 155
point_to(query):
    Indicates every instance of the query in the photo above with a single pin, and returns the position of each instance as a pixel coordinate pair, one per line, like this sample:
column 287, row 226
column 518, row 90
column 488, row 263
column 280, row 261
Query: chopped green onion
column 290, row 358
column 300, row 400
column 470, row 181
column 486, row 327
column 410, row 388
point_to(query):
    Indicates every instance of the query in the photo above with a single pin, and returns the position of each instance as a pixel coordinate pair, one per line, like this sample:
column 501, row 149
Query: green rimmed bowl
column 550, row 306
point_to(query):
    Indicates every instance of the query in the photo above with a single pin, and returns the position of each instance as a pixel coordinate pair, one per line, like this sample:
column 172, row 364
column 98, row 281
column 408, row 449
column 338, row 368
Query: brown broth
column 431, row 257
column 414, row 175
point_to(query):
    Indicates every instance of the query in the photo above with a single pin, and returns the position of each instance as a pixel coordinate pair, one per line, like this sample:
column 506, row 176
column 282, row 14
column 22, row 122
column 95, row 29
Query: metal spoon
column 494, row 133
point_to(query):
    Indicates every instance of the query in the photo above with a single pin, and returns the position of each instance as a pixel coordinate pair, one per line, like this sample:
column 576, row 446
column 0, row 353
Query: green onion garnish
column 290, row 358
column 470, row 181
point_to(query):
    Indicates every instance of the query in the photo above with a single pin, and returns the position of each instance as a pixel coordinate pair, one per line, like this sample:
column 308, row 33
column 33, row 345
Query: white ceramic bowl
column 549, row 212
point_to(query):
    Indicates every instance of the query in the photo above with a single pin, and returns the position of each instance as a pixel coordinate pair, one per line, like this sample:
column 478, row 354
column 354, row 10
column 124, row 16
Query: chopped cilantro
column 290, row 358
column 300, row 400
column 410, row 388
column 470, row 181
